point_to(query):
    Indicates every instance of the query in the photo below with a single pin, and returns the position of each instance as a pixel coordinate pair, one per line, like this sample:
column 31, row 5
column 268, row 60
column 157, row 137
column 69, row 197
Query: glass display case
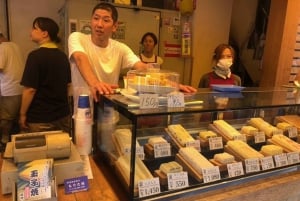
column 142, row 147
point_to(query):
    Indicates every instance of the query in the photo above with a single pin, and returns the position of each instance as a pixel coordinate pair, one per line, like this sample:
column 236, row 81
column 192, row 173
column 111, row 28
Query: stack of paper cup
column 83, row 125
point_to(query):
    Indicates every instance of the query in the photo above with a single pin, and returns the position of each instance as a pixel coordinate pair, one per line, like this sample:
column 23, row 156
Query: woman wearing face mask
column 221, row 74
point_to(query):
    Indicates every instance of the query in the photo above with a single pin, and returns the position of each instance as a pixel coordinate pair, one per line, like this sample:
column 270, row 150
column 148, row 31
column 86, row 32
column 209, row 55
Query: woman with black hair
column 148, row 42
column 46, row 79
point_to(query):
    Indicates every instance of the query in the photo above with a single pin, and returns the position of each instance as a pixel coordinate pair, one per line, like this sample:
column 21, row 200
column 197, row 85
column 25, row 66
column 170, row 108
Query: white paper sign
column 293, row 157
column 215, row 143
column 148, row 101
column 177, row 180
column 267, row 163
column 292, row 131
column 176, row 99
column 281, row 160
column 252, row 165
column 211, row 174
column 235, row 169
column 149, row 187
column 139, row 151
column 162, row 150
column 241, row 137
column 195, row 144
column 259, row 137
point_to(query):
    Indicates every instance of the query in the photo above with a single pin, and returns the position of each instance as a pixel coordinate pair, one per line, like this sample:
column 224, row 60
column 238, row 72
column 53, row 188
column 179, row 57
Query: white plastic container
column 83, row 125
column 83, row 136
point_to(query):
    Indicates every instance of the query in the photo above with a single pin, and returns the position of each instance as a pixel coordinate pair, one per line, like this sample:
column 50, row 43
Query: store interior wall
column 21, row 16
column 2, row 17
column 212, row 23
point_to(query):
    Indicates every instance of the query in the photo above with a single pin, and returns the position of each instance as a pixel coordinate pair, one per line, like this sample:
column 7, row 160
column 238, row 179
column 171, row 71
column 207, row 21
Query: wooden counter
column 106, row 187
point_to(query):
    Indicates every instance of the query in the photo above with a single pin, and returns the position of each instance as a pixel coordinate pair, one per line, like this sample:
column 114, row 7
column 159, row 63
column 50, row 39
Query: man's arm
column 27, row 96
column 87, row 73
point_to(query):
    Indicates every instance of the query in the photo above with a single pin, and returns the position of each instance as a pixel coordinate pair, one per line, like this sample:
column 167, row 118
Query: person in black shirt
column 46, row 78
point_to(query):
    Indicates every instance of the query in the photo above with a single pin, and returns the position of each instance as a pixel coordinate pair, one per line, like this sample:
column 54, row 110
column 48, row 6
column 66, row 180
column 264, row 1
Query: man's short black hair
column 109, row 7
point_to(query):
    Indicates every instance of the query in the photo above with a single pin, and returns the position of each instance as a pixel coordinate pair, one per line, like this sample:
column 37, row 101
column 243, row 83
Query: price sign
column 281, row 160
column 177, row 180
column 277, row 132
column 267, row 163
column 176, row 99
column 148, row 101
column 293, row 157
column 292, row 132
column 195, row 144
column 162, row 150
column 211, row 174
column 215, row 143
column 252, row 165
column 139, row 151
column 241, row 137
column 149, row 187
column 235, row 169
column 259, row 137
column 127, row 150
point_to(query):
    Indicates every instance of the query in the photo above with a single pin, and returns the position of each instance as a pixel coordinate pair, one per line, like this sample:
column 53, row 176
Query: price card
column 292, row 132
column 195, row 144
column 293, row 157
column 149, row 187
column 281, row 160
column 235, row 169
column 139, row 151
column 148, row 101
column 252, row 165
column 177, row 180
column 241, row 137
column 259, row 137
column 176, row 99
column 277, row 132
column 127, row 150
column 215, row 143
column 162, row 150
column 267, row 163
column 211, row 174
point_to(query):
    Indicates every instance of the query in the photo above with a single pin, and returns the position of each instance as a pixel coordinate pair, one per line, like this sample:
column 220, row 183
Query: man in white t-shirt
column 96, row 62
column 96, row 59
column 11, row 70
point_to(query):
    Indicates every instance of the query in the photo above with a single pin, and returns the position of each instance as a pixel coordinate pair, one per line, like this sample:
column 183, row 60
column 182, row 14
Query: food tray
column 136, row 99
column 152, row 88
column 187, row 167
column 226, row 88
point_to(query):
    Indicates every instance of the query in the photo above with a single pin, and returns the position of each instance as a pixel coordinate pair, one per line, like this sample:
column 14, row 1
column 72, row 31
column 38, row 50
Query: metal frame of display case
column 258, row 100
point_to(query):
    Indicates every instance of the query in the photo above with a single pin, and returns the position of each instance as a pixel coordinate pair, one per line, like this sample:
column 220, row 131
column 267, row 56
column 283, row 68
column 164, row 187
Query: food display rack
column 267, row 103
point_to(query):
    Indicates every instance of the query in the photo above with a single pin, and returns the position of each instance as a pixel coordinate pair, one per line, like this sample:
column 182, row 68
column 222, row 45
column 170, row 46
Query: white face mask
column 224, row 63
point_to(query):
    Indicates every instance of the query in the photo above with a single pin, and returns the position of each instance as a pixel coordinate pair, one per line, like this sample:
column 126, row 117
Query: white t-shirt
column 153, row 59
column 12, row 67
column 106, row 62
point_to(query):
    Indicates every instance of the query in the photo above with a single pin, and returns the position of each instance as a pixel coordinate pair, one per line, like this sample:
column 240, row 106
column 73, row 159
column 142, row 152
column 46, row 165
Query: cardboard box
column 63, row 169
column 53, row 192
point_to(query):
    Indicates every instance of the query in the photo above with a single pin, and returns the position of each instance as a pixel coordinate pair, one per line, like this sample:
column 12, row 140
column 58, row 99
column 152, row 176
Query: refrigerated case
column 200, row 110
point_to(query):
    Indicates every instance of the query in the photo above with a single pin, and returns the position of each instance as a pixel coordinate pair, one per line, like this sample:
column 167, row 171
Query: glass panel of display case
column 142, row 143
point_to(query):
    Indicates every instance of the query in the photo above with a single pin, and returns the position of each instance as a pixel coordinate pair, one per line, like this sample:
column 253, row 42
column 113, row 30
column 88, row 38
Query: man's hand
column 187, row 88
column 22, row 123
column 102, row 88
